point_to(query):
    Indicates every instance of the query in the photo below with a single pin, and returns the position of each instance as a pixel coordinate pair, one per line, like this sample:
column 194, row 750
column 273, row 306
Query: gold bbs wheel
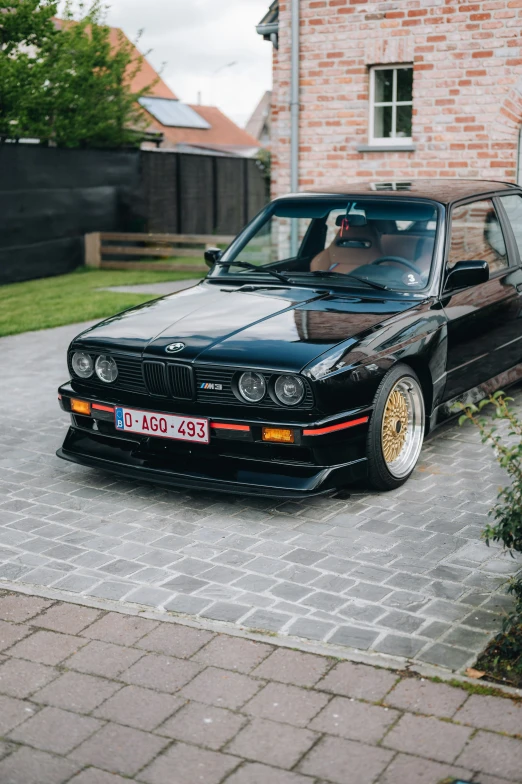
column 402, row 428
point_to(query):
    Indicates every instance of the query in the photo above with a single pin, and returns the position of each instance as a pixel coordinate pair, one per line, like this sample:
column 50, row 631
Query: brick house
column 397, row 90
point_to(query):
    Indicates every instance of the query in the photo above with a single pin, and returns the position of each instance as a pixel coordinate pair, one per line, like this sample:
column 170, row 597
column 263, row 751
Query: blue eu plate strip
column 119, row 419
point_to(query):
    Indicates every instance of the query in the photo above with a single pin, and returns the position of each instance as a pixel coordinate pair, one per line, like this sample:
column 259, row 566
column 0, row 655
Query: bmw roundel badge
column 173, row 348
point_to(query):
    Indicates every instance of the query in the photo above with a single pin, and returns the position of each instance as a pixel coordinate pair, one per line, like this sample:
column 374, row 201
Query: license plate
column 148, row 423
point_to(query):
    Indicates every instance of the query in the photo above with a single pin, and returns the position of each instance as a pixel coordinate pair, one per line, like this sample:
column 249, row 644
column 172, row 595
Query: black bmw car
column 334, row 333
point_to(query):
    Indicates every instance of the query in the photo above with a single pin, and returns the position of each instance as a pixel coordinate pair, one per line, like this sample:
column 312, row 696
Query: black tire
column 383, row 474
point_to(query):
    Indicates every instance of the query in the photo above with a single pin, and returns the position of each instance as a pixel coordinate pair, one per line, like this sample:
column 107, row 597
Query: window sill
column 386, row 147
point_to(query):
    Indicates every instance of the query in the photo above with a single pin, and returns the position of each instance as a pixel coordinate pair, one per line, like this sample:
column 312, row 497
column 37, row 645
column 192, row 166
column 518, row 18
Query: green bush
column 507, row 513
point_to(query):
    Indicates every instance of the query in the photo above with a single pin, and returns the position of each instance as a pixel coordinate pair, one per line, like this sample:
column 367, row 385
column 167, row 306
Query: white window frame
column 392, row 141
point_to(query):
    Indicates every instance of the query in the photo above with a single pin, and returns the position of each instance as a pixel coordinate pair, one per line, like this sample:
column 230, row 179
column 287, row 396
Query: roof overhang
column 268, row 27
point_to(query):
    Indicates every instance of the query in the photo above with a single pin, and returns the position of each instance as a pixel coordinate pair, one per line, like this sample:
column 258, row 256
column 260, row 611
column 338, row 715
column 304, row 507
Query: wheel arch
column 421, row 367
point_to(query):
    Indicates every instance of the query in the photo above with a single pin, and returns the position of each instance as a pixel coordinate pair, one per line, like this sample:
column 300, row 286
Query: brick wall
column 467, row 88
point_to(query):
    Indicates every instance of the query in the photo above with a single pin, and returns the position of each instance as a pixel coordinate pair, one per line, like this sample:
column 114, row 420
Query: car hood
column 277, row 328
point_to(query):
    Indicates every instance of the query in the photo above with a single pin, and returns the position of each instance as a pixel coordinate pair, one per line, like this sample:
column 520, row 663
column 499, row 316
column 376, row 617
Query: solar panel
column 173, row 113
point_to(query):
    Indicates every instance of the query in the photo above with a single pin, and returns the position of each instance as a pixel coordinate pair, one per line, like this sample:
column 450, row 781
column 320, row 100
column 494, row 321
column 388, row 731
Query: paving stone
column 119, row 749
column 30, row 766
column 20, row 678
column 493, row 754
column 445, row 656
column 76, row 692
column 354, row 720
column 225, row 611
column 256, row 773
column 55, row 730
column 399, row 645
column 189, row 605
column 284, row 703
column 428, row 737
column 310, row 629
column 222, row 688
column 154, row 671
column 66, row 618
column 492, row 713
column 175, row 640
column 119, row 629
column 295, row 667
column 103, row 658
column 97, row 776
column 272, row 743
column 203, row 725
column 191, row 765
column 11, row 633
column 141, row 708
column 345, row 761
column 358, row 680
column 46, row 647
column 421, row 696
column 18, row 608
column 12, row 713
column 354, row 637
column 233, row 653
column 266, row 620
column 404, row 769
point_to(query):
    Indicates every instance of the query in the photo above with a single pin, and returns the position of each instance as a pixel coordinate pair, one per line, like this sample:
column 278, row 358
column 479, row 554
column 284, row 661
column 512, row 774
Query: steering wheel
column 398, row 260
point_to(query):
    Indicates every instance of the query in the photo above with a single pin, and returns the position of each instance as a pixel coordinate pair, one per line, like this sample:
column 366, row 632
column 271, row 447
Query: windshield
column 370, row 243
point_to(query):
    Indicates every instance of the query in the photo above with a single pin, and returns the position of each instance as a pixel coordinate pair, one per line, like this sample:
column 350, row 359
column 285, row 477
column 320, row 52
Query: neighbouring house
column 260, row 123
column 393, row 90
column 175, row 125
column 187, row 127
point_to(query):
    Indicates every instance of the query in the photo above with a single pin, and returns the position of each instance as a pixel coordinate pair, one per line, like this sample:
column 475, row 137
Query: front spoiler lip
column 275, row 483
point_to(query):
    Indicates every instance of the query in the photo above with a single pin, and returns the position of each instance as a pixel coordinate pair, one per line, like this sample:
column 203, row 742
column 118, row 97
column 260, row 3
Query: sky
column 192, row 39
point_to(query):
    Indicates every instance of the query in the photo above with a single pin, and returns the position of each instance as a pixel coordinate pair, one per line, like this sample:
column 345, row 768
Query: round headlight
column 252, row 386
column 289, row 390
column 82, row 364
column 106, row 369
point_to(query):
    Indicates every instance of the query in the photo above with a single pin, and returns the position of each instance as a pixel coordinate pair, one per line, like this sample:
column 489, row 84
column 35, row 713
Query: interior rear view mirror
column 212, row 255
column 465, row 274
column 353, row 220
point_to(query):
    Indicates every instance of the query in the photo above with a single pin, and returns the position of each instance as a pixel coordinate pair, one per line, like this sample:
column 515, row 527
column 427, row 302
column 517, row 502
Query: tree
column 72, row 86
column 26, row 27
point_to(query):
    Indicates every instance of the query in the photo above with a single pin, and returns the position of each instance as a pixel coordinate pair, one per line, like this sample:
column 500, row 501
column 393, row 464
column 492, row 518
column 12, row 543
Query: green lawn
column 66, row 299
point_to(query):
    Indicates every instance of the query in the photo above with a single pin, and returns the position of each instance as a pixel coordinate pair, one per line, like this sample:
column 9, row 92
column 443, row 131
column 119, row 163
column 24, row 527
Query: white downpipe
column 294, row 119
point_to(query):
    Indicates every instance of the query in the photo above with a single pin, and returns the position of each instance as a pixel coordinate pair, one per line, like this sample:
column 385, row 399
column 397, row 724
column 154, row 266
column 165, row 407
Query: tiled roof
column 223, row 131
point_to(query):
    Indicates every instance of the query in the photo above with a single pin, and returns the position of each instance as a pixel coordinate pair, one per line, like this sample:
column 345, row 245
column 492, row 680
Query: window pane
column 383, row 122
column 476, row 234
column 404, row 84
column 404, row 121
column 513, row 207
column 383, row 85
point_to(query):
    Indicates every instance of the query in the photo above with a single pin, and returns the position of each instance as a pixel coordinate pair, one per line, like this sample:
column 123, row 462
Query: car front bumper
column 328, row 454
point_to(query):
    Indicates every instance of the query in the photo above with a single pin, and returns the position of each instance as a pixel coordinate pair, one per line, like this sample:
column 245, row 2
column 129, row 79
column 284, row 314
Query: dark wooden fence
column 50, row 198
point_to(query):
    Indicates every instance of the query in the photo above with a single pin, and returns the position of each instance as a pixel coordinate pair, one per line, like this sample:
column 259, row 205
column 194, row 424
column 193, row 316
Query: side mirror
column 465, row 274
column 212, row 255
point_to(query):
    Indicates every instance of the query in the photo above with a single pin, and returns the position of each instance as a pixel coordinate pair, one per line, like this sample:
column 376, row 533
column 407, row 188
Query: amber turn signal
column 281, row 435
column 80, row 406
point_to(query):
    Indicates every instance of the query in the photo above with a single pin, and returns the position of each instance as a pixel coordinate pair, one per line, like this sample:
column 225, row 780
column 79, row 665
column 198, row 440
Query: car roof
column 443, row 190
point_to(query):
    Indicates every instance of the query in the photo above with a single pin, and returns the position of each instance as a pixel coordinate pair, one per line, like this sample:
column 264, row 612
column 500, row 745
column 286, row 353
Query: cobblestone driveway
column 402, row 573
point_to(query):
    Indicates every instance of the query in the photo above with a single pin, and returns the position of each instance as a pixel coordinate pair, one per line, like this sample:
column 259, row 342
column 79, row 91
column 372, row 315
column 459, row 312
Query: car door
column 481, row 319
column 511, row 207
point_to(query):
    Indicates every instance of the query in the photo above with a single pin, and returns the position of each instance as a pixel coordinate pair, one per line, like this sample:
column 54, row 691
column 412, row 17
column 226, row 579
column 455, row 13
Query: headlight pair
column 105, row 367
column 289, row 390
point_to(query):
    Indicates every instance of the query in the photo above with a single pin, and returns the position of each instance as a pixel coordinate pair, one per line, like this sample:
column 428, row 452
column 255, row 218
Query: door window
column 476, row 234
column 513, row 207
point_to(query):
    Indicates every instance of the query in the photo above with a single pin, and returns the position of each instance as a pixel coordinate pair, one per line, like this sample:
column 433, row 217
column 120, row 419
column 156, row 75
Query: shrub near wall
column 503, row 657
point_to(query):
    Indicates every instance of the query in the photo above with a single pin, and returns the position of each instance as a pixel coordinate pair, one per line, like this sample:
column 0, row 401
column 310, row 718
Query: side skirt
column 445, row 411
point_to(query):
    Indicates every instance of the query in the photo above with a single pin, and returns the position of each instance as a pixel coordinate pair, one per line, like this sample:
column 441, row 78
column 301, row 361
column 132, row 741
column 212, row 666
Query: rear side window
column 513, row 207
column 476, row 234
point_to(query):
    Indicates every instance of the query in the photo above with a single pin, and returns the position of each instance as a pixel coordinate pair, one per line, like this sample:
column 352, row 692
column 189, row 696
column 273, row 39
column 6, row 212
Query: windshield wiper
column 330, row 274
column 247, row 265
